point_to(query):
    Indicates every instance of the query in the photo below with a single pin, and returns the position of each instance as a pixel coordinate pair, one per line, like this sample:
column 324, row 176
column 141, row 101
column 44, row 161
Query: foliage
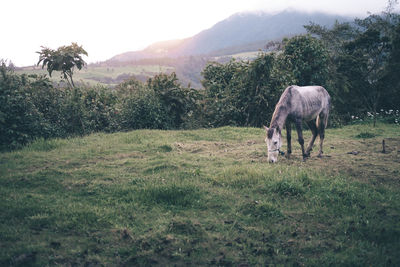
column 64, row 59
column 363, row 72
column 101, row 109
column 31, row 107
column 243, row 93
column 143, row 110
column 365, row 62
column 307, row 59
column 178, row 102
column 384, row 116
column 20, row 121
column 161, row 103
column 218, row 79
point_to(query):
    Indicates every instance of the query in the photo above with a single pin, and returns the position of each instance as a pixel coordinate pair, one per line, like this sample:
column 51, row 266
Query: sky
column 105, row 28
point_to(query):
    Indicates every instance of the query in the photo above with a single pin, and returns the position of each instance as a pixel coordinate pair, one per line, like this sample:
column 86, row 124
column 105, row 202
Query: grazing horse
column 297, row 103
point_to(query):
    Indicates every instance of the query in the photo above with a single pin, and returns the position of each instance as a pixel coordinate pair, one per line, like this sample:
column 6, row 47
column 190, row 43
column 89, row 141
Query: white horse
column 308, row 103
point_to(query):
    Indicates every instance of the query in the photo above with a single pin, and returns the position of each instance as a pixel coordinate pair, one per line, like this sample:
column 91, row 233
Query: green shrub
column 142, row 110
column 101, row 111
column 365, row 135
column 20, row 120
column 243, row 93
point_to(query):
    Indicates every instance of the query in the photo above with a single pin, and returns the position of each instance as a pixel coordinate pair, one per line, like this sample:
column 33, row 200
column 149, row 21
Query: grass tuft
column 289, row 187
column 170, row 194
column 261, row 210
column 165, row 148
column 365, row 135
column 44, row 145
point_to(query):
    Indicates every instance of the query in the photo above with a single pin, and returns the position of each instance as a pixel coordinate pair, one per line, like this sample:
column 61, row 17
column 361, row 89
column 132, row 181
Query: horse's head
column 274, row 143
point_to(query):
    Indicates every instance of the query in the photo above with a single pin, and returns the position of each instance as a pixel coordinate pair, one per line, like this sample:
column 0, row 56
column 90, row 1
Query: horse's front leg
column 289, row 138
column 300, row 135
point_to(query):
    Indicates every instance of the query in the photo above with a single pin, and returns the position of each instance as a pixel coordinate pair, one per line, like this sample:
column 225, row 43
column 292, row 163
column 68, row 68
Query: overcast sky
column 106, row 28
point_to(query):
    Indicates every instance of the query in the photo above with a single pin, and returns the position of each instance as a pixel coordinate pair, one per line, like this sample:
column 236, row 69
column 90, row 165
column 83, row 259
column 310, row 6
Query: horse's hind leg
column 322, row 122
column 314, row 130
column 300, row 135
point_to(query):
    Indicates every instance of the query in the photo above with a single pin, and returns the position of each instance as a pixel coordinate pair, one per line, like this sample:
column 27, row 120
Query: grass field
column 201, row 197
column 110, row 76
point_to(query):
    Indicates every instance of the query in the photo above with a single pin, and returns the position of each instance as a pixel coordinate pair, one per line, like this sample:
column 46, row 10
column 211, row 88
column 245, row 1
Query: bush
column 101, row 111
column 31, row 107
column 178, row 102
column 244, row 93
column 142, row 109
column 20, row 121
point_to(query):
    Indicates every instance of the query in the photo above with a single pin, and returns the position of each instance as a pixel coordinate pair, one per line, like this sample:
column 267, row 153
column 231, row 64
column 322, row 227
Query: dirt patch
column 363, row 160
column 360, row 158
column 251, row 149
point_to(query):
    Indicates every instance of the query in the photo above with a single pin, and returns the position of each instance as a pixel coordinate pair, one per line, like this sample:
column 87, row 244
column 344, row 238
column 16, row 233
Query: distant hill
column 156, row 50
column 241, row 32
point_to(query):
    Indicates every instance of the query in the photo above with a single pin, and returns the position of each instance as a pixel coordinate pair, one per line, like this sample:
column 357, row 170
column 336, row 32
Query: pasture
column 93, row 75
column 202, row 197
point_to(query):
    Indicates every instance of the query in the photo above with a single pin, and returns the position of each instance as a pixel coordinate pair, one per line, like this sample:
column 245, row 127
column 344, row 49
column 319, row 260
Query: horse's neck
column 279, row 118
column 281, row 111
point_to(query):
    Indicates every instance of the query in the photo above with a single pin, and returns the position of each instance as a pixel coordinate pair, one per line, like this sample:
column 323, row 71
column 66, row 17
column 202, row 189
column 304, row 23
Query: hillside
column 240, row 31
column 201, row 197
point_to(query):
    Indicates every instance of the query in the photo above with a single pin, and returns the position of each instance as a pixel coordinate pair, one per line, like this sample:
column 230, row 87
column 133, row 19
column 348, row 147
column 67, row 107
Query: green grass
column 201, row 197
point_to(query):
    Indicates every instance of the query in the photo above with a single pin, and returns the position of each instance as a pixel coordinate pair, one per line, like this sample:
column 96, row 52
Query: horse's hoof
column 320, row 156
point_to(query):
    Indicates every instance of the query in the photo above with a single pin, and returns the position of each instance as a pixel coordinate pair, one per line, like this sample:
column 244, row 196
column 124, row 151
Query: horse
column 298, row 103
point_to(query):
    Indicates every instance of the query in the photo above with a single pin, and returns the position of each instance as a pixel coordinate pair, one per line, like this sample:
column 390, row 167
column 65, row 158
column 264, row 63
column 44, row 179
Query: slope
column 239, row 30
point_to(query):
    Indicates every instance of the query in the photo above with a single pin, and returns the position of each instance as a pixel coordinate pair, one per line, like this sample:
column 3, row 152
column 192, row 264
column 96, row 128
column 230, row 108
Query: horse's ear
column 266, row 128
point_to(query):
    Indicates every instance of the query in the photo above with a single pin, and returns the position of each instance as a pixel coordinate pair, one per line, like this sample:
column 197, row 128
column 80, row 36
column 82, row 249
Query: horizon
column 122, row 26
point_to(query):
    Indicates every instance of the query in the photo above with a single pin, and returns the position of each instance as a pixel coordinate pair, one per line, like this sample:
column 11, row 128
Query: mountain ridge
column 239, row 30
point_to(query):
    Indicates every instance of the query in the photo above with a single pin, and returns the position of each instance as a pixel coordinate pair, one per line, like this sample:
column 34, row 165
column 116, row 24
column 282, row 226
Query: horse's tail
column 323, row 116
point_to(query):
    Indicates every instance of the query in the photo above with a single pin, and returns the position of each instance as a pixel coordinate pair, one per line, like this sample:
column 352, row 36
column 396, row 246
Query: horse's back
column 312, row 91
column 312, row 100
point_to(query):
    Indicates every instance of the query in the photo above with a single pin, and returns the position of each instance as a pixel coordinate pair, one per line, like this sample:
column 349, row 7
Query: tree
column 64, row 59
column 244, row 93
column 218, row 80
column 176, row 100
column 364, row 58
column 369, row 63
column 307, row 58
column 257, row 89
column 392, row 97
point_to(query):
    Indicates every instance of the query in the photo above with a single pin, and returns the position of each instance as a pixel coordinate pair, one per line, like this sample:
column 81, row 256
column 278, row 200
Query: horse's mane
column 281, row 106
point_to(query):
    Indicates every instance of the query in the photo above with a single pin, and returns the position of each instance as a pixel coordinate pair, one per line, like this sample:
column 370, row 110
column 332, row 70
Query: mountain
column 241, row 32
column 156, row 50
